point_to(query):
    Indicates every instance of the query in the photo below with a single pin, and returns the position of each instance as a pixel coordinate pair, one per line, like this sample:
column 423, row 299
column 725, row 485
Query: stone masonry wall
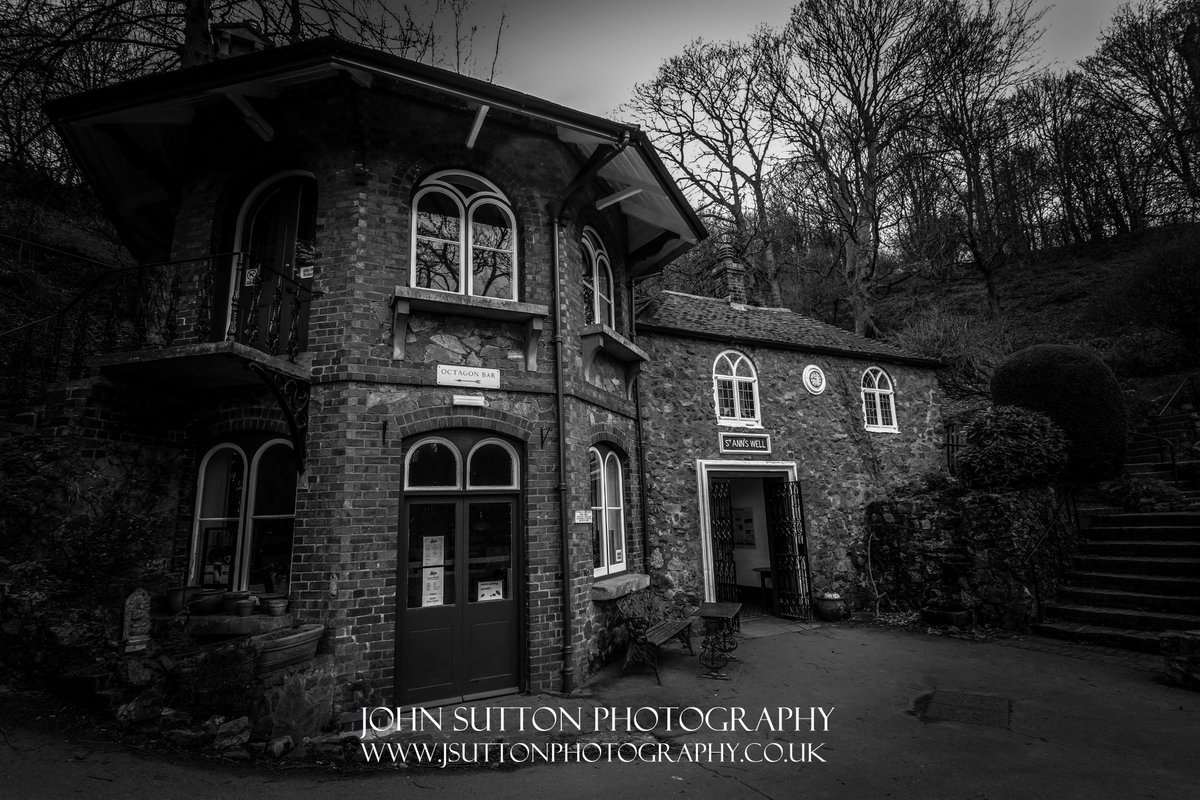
column 841, row 465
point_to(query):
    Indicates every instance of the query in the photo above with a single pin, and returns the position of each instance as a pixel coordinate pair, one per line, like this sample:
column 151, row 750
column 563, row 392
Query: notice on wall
column 477, row 377
column 431, row 586
column 743, row 527
column 433, row 552
column 583, row 517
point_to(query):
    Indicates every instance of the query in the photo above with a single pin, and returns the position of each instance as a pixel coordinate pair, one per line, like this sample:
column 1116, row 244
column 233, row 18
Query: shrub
column 1011, row 448
column 1142, row 494
column 971, row 349
column 1079, row 393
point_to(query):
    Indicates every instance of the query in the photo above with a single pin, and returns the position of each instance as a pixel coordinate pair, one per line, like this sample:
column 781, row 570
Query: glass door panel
column 431, row 547
column 489, row 546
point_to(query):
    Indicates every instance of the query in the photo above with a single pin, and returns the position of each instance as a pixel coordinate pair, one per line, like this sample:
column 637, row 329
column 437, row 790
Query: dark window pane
column 438, row 217
column 271, row 554
column 491, row 465
column 223, row 480
column 490, row 227
column 431, row 528
column 433, row 464
column 489, row 551
column 275, row 492
column 492, row 273
column 437, row 265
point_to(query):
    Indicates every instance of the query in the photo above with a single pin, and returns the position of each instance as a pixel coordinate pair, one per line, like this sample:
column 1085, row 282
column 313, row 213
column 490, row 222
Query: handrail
column 105, row 277
column 1066, row 501
column 1188, row 381
column 1170, row 449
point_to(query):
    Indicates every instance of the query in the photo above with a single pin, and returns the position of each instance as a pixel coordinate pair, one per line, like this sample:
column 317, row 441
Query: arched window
column 735, row 387
column 243, row 529
column 432, row 464
column 597, row 281
column 879, row 401
column 464, row 237
column 608, row 511
column 492, row 464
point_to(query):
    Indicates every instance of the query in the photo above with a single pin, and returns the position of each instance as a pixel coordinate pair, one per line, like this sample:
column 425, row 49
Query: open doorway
column 753, row 537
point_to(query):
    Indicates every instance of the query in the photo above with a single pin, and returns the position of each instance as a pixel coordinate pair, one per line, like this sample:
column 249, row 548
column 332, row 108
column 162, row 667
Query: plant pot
column 288, row 646
column 830, row 609
column 230, row 601
column 958, row 617
column 207, row 601
column 276, row 606
column 179, row 598
column 245, row 607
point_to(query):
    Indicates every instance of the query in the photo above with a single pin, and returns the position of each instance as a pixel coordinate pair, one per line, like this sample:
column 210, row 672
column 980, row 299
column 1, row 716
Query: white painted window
column 597, row 281
column 245, row 516
column 433, row 463
column 608, row 511
column 735, row 391
column 879, row 401
column 464, row 237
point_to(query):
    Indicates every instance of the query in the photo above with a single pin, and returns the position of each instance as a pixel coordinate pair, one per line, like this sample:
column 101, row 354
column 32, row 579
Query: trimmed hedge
column 1080, row 394
column 1009, row 447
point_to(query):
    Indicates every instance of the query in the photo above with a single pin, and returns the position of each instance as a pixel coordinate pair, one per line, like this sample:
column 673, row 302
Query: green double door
column 458, row 628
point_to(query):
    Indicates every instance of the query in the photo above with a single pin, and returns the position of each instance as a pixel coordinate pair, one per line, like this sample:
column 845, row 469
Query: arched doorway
column 459, row 588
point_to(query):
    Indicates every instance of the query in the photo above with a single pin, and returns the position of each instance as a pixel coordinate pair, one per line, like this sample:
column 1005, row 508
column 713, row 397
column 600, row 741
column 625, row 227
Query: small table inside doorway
column 720, row 620
column 765, row 596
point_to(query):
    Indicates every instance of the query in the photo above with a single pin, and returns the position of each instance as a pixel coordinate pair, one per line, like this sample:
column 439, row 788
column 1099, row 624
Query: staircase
column 1136, row 574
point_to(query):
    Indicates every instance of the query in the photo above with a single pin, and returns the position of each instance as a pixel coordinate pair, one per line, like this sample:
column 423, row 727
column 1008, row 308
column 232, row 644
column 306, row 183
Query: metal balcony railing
column 148, row 307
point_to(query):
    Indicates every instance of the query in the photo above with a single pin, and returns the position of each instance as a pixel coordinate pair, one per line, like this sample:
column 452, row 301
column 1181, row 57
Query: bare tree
column 700, row 110
column 50, row 48
column 979, row 57
column 849, row 80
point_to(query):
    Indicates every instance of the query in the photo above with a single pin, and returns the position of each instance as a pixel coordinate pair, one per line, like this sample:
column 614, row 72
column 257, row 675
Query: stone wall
column 841, row 466
column 988, row 553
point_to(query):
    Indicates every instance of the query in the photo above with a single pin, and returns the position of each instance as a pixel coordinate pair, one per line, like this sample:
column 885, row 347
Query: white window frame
column 440, row 183
column 458, row 465
column 738, row 420
column 512, row 454
column 880, row 397
column 611, row 499
column 240, row 568
column 598, row 275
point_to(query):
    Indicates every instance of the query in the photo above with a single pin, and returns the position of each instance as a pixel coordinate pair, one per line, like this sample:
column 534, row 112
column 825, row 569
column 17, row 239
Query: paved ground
column 910, row 716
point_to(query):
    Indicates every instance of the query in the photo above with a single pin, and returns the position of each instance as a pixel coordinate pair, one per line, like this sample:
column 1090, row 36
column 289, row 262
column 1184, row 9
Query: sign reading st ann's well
column 478, row 377
column 745, row 442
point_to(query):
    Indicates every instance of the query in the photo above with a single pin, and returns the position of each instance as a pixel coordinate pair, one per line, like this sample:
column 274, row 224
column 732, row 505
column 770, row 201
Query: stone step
column 1155, row 518
column 1148, row 470
column 1142, row 548
column 1149, row 584
column 1144, row 641
column 1137, row 601
column 1185, row 567
column 1134, row 619
column 1143, row 533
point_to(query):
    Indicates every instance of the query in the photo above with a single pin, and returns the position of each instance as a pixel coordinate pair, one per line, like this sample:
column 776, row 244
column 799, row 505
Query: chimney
column 237, row 39
column 730, row 275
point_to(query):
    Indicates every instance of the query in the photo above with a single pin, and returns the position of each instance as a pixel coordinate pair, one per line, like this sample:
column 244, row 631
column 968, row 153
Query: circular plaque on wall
column 814, row 379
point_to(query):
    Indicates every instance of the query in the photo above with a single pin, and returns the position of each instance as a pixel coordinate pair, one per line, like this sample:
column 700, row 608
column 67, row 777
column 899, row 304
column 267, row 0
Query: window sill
column 744, row 424
column 407, row 299
column 617, row 586
column 601, row 337
column 880, row 429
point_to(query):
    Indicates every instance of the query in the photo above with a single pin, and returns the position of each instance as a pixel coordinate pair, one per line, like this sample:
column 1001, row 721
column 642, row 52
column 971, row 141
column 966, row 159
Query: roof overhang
column 131, row 139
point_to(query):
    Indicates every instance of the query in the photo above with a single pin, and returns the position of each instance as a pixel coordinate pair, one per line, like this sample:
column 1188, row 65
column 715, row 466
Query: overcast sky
column 588, row 54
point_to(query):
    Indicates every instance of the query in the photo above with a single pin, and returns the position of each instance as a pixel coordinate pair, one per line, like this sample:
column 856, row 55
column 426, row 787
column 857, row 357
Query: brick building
column 385, row 331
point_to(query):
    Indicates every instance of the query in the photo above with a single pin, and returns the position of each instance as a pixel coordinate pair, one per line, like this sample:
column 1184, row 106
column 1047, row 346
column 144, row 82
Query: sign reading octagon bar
column 745, row 442
column 455, row 375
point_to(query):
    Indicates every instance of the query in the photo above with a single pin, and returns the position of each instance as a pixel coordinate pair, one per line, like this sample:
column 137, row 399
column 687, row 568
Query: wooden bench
column 652, row 622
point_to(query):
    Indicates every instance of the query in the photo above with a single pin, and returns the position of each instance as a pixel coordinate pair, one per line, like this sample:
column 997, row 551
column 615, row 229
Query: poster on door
column 433, row 551
column 431, row 586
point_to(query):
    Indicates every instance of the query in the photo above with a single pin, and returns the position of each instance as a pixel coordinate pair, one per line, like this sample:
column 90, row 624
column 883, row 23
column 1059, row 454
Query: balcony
column 223, row 321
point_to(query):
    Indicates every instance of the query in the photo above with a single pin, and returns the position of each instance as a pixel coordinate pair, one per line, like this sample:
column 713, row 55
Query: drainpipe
column 600, row 156
column 641, row 442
